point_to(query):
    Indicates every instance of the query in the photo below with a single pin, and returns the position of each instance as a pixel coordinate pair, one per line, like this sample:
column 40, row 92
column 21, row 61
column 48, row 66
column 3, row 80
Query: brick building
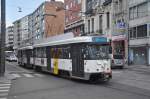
column 73, row 17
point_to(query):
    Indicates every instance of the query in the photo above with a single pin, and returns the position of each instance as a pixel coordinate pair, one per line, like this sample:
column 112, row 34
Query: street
column 28, row 84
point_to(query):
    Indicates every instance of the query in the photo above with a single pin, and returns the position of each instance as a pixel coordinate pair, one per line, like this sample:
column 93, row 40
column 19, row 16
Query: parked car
column 10, row 56
column 118, row 61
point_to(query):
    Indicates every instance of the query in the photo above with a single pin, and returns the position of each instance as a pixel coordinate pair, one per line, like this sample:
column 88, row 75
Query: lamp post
column 2, row 39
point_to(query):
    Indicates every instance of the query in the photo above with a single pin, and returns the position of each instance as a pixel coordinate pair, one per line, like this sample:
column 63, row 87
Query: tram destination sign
column 99, row 39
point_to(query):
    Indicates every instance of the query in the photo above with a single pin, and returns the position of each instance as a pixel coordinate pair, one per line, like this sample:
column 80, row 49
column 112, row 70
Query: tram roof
column 27, row 47
column 73, row 40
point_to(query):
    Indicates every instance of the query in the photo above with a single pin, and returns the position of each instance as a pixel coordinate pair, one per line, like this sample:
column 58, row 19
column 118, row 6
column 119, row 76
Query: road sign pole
column 2, row 39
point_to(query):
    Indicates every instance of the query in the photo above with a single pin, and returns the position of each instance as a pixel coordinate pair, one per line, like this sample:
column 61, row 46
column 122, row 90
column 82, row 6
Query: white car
column 12, row 58
column 118, row 61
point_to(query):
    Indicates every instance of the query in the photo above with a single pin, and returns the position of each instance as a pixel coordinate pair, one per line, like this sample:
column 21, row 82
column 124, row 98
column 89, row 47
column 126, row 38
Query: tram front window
column 97, row 52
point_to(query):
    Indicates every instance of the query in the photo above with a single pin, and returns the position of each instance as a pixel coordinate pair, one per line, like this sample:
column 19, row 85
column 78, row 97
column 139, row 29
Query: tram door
column 28, row 55
column 77, row 61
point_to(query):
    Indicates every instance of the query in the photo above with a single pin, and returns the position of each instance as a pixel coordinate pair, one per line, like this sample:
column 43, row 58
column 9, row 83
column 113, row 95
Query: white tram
column 25, row 56
column 80, row 57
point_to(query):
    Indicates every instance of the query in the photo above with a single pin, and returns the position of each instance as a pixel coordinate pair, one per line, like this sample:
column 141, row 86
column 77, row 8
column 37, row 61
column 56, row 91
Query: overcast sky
column 27, row 7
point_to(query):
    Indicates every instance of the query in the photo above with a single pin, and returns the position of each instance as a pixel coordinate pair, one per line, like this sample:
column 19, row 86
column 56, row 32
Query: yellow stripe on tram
column 56, row 66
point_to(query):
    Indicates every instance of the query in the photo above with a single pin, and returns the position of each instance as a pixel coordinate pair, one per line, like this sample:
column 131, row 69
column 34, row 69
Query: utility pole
column 2, row 39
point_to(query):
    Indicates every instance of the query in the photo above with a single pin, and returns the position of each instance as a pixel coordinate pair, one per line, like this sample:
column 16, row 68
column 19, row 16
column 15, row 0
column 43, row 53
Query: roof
column 70, row 41
column 27, row 47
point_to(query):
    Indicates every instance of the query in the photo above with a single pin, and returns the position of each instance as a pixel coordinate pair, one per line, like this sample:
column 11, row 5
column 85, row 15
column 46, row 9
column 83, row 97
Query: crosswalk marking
column 116, row 72
column 16, row 75
column 3, row 94
column 39, row 75
column 3, row 98
column 28, row 75
column 4, row 90
column 1, row 85
column 19, row 75
column 7, row 87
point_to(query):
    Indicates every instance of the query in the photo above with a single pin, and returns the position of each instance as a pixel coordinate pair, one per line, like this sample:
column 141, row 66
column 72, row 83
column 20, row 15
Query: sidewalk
column 139, row 68
column 7, row 77
column 135, row 76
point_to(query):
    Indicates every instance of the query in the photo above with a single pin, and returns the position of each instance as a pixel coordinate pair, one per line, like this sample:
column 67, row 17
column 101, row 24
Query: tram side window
column 65, row 53
column 62, row 53
column 37, row 52
column 34, row 53
column 43, row 52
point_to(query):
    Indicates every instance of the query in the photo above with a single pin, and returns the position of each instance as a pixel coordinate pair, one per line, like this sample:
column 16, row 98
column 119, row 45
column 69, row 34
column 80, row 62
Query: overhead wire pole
column 2, row 39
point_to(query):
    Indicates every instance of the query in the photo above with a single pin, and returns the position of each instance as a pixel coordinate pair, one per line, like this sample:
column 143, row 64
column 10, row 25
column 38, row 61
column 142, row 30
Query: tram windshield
column 97, row 52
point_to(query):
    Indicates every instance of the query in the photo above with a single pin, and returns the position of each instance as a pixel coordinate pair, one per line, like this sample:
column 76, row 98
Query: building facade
column 74, row 17
column 47, row 20
column 139, row 32
column 21, row 32
column 108, row 18
column 9, row 38
column 120, row 27
column 98, row 18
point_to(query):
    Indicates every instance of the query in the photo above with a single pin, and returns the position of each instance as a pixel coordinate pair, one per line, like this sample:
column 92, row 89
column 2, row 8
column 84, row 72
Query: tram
column 25, row 56
column 84, row 58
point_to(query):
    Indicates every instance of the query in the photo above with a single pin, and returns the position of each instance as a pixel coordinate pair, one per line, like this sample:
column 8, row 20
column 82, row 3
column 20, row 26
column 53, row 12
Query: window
column 67, row 7
column 92, row 25
column 142, row 10
column 108, row 20
column 139, row 31
column 89, row 26
column 138, row 11
column 133, row 32
column 149, row 29
column 62, row 52
column 142, row 31
column 100, row 23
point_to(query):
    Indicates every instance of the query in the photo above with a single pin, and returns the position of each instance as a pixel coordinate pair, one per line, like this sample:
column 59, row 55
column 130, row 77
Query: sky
column 27, row 7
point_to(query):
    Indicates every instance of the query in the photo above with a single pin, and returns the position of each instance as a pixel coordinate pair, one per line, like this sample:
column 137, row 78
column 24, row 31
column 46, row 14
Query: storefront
column 119, row 45
column 139, row 55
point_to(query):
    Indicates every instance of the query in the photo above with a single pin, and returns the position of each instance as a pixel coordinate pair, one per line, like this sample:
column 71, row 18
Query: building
column 21, row 31
column 74, row 17
column 119, row 33
column 47, row 20
column 139, row 32
column 98, row 18
column 108, row 18
column 9, row 38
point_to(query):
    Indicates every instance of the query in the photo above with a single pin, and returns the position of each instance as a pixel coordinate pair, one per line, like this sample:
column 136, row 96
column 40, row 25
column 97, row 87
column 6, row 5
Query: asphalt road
column 34, row 85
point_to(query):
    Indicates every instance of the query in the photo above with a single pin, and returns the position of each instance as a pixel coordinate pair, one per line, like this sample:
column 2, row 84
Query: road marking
column 28, row 75
column 3, row 98
column 7, row 87
column 4, row 90
column 16, row 75
column 1, row 85
column 3, row 94
column 116, row 72
column 39, row 75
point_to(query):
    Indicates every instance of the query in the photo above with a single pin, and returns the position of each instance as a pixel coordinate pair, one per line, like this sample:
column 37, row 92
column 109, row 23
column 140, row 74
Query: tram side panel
column 60, row 60
column 40, row 60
